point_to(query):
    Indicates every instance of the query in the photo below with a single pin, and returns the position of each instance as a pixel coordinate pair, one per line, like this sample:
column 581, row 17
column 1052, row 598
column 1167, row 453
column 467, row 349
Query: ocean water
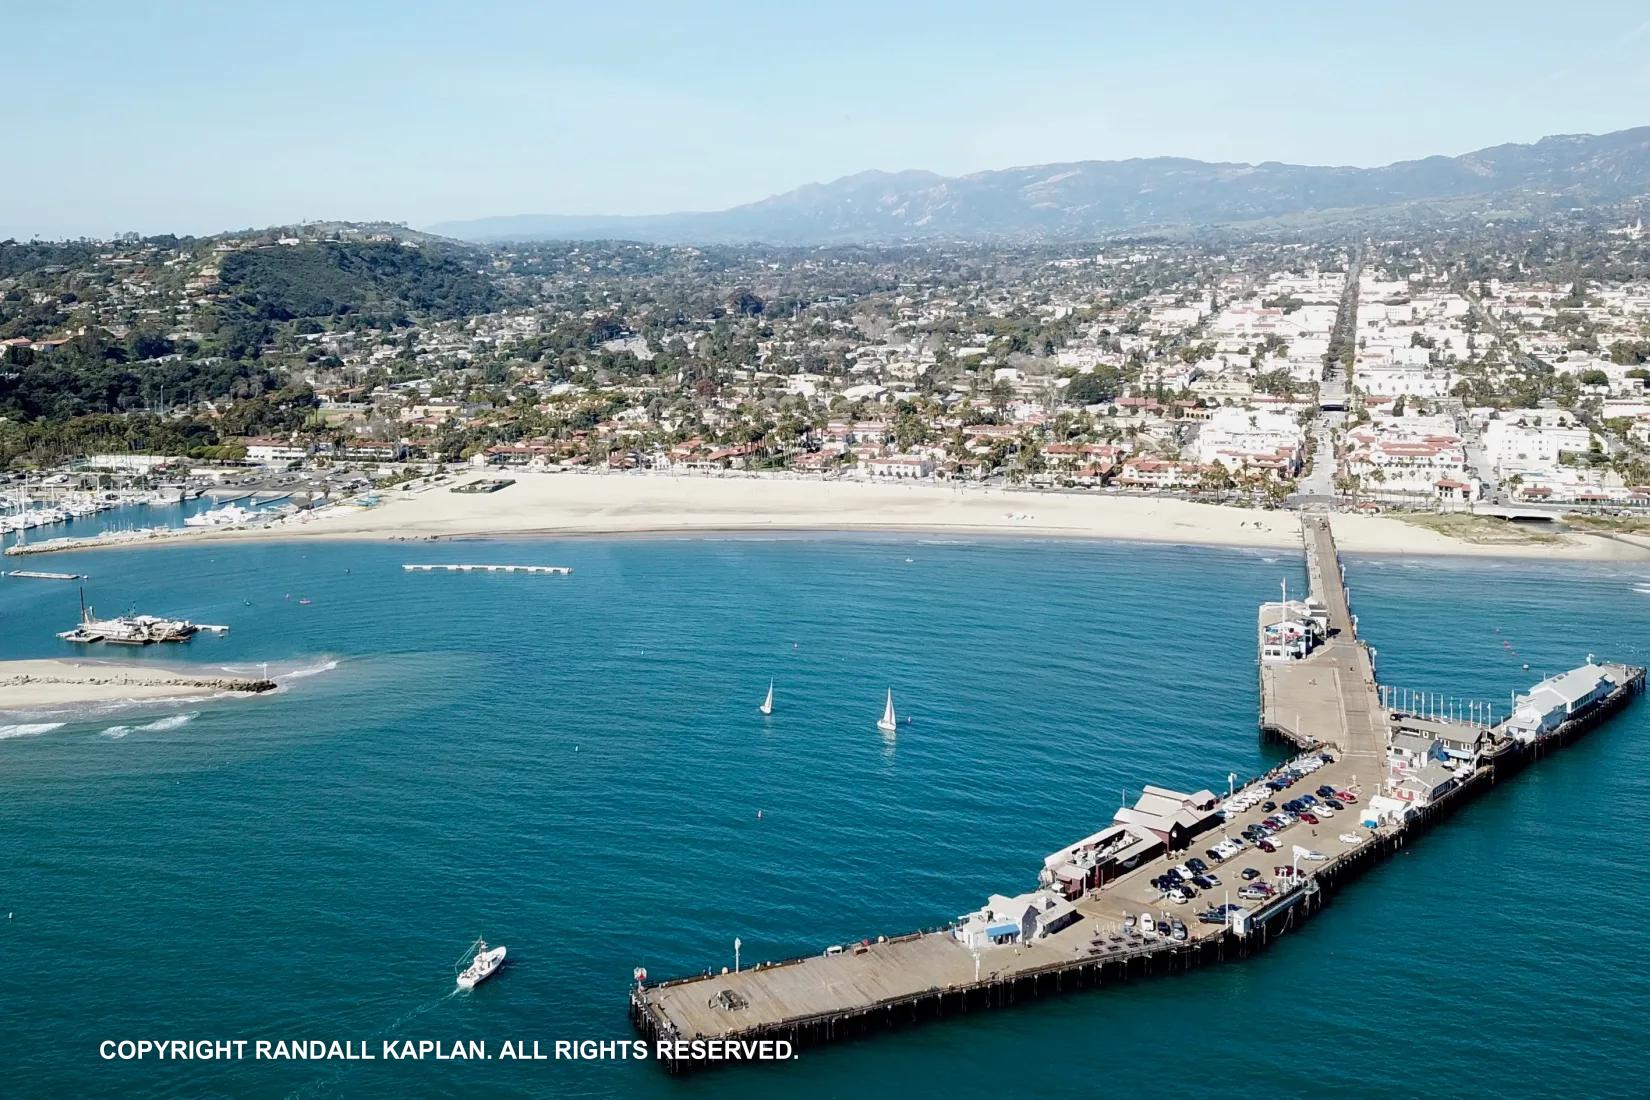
column 573, row 766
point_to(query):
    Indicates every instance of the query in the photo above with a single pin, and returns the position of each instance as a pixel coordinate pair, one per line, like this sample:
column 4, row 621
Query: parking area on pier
column 1133, row 893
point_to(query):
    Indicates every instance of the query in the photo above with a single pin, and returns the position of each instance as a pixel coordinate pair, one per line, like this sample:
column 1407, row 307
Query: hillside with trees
column 376, row 283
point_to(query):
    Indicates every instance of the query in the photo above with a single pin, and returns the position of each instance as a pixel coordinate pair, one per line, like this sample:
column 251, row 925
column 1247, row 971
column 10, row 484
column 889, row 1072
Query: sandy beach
column 53, row 683
column 567, row 504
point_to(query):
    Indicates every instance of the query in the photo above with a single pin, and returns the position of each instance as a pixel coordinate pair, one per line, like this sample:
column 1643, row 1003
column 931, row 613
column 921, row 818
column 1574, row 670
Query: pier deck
column 867, row 976
column 1330, row 695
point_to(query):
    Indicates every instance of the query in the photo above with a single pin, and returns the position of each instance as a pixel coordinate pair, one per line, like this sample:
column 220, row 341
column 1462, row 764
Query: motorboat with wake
column 484, row 963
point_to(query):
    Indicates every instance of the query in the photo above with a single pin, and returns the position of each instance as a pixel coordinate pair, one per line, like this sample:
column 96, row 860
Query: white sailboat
column 767, row 704
column 888, row 723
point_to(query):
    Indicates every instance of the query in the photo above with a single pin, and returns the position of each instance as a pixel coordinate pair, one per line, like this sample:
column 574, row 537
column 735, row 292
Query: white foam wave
column 313, row 670
column 169, row 723
column 28, row 729
column 159, row 725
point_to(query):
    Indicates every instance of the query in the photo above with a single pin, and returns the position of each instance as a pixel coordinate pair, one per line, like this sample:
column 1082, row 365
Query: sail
column 888, row 711
column 767, row 704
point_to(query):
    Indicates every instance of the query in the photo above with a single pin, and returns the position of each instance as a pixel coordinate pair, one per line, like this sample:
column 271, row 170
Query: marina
column 1117, row 905
column 558, row 570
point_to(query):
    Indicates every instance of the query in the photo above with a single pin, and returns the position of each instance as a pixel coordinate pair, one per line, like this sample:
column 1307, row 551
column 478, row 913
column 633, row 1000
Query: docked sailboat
column 767, row 704
column 888, row 723
column 484, row 963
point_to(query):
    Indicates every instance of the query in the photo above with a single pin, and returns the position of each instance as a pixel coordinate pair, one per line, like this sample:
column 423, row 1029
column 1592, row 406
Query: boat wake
column 28, row 729
column 1642, row 589
column 311, row 670
column 159, row 725
column 323, row 1085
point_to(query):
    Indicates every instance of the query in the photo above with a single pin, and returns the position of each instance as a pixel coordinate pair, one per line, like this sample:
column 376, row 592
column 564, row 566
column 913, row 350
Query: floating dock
column 38, row 575
column 1324, row 702
column 560, row 570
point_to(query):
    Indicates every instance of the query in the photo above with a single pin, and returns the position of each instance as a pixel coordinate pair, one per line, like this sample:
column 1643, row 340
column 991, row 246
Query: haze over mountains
column 1092, row 198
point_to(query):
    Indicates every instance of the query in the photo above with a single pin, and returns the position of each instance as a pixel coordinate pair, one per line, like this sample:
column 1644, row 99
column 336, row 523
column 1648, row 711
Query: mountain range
column 1100, row 197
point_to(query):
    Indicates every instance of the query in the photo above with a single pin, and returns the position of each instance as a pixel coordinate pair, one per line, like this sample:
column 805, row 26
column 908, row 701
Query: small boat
column 767, row 704
column 888, row 723
column 484, row 963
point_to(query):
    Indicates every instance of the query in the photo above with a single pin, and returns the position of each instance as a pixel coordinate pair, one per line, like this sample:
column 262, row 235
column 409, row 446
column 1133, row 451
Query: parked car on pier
column 1309, row 817
column 1250, row 873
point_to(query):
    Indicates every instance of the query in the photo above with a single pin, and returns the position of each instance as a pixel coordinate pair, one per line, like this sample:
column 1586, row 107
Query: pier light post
column 736, row 946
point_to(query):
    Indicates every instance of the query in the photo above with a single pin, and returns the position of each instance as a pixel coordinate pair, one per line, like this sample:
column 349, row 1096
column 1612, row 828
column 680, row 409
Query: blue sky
column 189, row 117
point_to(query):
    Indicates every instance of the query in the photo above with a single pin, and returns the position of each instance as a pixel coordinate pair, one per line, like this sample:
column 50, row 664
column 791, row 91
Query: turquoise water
column 573, row 766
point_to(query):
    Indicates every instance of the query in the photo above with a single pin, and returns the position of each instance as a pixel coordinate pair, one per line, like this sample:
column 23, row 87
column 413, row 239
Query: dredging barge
column 1084, row 927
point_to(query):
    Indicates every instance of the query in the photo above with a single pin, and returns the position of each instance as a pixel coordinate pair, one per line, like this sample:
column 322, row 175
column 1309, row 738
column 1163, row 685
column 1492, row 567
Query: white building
column 128, row 464
column 1556, row 699
column 1411, row 456
column 1241, row 439
column 271, row 452
column 1003, row 921
column 1530, row 441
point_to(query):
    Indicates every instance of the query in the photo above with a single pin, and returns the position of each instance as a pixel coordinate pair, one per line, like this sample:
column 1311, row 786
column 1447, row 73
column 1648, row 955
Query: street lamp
column 736, row 946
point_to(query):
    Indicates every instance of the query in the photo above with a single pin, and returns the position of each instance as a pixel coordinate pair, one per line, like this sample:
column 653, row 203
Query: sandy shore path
column 49, row 683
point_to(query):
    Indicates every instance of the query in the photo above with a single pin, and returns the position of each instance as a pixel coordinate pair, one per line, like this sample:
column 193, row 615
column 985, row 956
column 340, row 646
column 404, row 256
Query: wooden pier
column 850, row 990
column 559, row 570
column 1330, row 695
